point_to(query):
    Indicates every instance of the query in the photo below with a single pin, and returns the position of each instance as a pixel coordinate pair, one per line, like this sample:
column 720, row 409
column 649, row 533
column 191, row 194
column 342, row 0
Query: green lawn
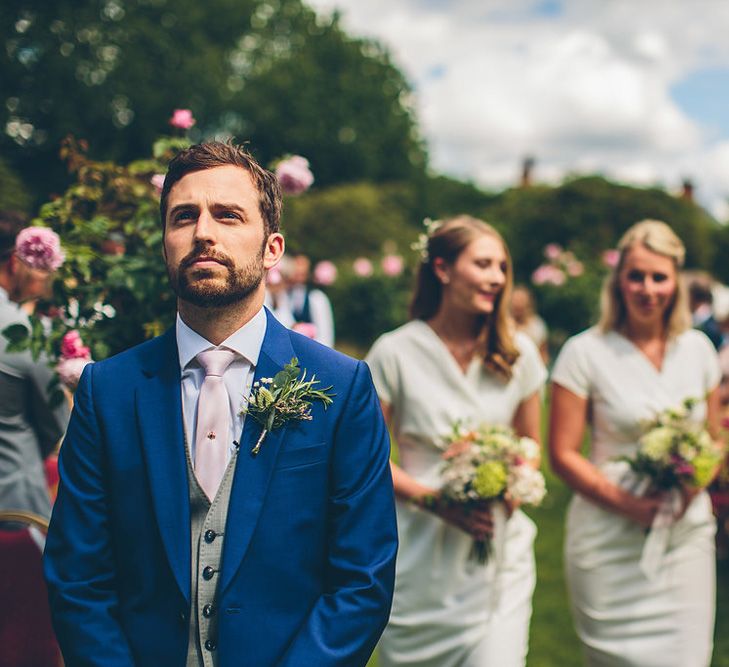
column 553, row 642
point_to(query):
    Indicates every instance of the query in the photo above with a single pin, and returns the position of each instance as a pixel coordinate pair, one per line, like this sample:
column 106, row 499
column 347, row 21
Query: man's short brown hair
column 209, row 155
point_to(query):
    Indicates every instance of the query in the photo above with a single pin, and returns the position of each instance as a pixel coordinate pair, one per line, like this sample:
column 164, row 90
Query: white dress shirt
column 238, row 377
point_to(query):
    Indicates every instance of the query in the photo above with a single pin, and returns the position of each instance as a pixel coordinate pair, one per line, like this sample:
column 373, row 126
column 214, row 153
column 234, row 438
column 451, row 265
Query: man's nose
column 205, row 227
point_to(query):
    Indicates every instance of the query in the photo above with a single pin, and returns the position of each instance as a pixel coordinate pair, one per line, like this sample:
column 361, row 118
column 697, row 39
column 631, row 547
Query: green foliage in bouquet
column 113, row 284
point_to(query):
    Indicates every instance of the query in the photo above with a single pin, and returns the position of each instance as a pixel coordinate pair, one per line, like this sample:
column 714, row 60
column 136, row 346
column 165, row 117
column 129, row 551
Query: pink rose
column 39, row 248
column 72, row 346
column 182, row 119
column 325, row 273
column 552, row 251
column 546, row 274
column 305, row 329
column 158, row 181
column 611, row 257
column 362, row 267
column 294, row 175
column 392, row 265
column 70, row 369
column 575, row 268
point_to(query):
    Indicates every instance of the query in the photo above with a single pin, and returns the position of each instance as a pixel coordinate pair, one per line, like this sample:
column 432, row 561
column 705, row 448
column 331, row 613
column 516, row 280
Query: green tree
column 111, row 71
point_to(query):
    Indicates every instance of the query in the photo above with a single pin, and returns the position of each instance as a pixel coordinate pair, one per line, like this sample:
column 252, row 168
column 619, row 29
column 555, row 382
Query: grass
column 553, row 642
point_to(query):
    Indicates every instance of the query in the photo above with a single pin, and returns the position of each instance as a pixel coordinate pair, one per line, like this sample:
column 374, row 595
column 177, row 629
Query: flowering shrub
column 182, row 119
column 294, row 175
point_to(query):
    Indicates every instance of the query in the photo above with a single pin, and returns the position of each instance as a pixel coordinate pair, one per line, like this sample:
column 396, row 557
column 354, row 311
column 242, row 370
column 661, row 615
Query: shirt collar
column 246, row 341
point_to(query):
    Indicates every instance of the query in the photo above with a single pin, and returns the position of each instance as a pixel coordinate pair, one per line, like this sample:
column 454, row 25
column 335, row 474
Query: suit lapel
column 253, row 474
column 159, row 413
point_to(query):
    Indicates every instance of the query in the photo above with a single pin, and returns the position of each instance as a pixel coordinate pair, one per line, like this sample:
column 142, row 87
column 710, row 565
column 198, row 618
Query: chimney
column 527, row 166
column 687, row 189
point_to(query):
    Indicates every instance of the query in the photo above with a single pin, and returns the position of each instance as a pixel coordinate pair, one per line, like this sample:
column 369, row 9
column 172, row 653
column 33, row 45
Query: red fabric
column 51, row 469
column 26, row 635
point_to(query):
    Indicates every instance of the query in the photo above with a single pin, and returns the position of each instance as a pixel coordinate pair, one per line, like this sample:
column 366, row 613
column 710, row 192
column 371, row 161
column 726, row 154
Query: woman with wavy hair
column 630, row 607
column 458, row 360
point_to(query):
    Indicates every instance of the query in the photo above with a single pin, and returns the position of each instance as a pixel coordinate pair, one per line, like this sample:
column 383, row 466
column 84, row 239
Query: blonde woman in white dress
column 457, row 360
column 639, row 360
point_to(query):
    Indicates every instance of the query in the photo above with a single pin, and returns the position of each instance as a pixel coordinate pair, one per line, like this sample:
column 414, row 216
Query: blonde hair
column 659, row 238
column 448, row 241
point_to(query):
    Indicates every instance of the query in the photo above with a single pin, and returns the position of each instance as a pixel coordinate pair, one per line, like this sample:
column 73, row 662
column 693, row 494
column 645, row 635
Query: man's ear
column 274, row 250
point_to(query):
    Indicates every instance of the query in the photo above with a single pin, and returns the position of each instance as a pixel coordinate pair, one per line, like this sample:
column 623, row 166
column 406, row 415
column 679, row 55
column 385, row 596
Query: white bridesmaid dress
column 625, row 615
column 448, row 610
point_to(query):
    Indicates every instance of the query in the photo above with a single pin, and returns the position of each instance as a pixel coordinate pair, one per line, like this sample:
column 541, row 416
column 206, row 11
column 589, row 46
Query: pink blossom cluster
column 294, row 175
column 75, row 356
column 611, row 257
column 182, row 119
column 391, row 265
column 325, row 273
column 39, row 248
column 158, row 181
column 561, row 265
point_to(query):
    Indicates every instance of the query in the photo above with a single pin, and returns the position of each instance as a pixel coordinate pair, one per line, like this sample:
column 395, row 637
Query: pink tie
column 213, row 421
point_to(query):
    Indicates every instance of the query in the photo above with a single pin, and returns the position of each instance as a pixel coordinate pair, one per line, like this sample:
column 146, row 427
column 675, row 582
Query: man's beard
column 202, row 292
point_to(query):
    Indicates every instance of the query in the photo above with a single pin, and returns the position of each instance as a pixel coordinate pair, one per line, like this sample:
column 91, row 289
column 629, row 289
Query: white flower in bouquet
column 529, row 449
column 526, row 485
column 656, row 444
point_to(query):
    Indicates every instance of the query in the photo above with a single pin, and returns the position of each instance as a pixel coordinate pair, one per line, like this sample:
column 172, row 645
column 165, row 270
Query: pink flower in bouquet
column 305, row 329
column 611, row 257
column 294, row 175
column 325, row 273
column 72, row 346
column 182, row 119
column 552, row 251
column 546, row 274
column 575, row 268
column 39, row 248
column 158, row 181
column 392, row 265
column 69, row 370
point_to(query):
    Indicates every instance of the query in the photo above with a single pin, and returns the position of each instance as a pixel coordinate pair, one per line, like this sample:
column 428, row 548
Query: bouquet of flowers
column 675, row 451
column 490, row 463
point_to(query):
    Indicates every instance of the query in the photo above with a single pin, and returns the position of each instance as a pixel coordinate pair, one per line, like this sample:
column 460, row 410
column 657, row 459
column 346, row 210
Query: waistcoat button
column 208, row 573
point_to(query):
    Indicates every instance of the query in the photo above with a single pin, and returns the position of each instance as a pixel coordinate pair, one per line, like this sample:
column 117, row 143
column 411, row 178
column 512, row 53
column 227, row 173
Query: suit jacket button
column 210, row 645
column 208, row 610
column 208, row 573
column 210, row 535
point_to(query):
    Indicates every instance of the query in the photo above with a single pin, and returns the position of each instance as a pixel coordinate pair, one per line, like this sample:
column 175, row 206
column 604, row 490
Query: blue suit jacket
column 308, row 559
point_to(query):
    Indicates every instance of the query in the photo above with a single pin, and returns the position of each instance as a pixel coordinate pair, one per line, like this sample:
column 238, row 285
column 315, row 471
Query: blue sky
column 638, row 91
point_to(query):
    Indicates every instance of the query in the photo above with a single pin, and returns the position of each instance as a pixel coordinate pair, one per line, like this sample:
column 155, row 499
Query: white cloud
column 587, row 90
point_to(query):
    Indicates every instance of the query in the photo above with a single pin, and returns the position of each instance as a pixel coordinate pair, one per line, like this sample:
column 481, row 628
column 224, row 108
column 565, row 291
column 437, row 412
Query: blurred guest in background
column 527, row 320
column 457, row 360
column 30, row 428
column 701, row 303
column 277, row 296
column 311, row 308
column 642, row 358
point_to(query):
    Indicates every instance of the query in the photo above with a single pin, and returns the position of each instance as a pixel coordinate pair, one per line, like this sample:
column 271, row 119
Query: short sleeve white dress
column 445, row 613
column 623, row 617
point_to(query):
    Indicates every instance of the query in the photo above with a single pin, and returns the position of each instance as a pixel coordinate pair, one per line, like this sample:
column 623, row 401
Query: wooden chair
column 26, row 634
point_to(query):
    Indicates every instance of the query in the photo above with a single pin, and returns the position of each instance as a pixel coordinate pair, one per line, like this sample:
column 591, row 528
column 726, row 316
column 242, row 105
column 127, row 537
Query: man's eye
column 183, row 215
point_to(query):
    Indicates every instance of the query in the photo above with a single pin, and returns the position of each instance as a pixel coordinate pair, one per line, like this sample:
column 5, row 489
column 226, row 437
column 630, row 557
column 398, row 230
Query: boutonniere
column 288, row 396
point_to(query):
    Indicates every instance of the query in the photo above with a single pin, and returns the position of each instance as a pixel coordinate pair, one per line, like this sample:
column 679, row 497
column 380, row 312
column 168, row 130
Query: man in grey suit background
column 29, row 428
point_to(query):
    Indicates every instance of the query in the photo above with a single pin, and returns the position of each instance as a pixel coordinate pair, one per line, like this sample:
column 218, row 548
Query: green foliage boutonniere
column 285, row 397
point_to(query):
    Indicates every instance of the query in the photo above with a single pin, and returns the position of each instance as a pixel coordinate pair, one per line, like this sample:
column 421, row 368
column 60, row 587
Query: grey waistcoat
column 207, row 525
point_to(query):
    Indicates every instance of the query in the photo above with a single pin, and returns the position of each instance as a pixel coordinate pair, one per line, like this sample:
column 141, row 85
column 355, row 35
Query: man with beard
column 189, row 533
